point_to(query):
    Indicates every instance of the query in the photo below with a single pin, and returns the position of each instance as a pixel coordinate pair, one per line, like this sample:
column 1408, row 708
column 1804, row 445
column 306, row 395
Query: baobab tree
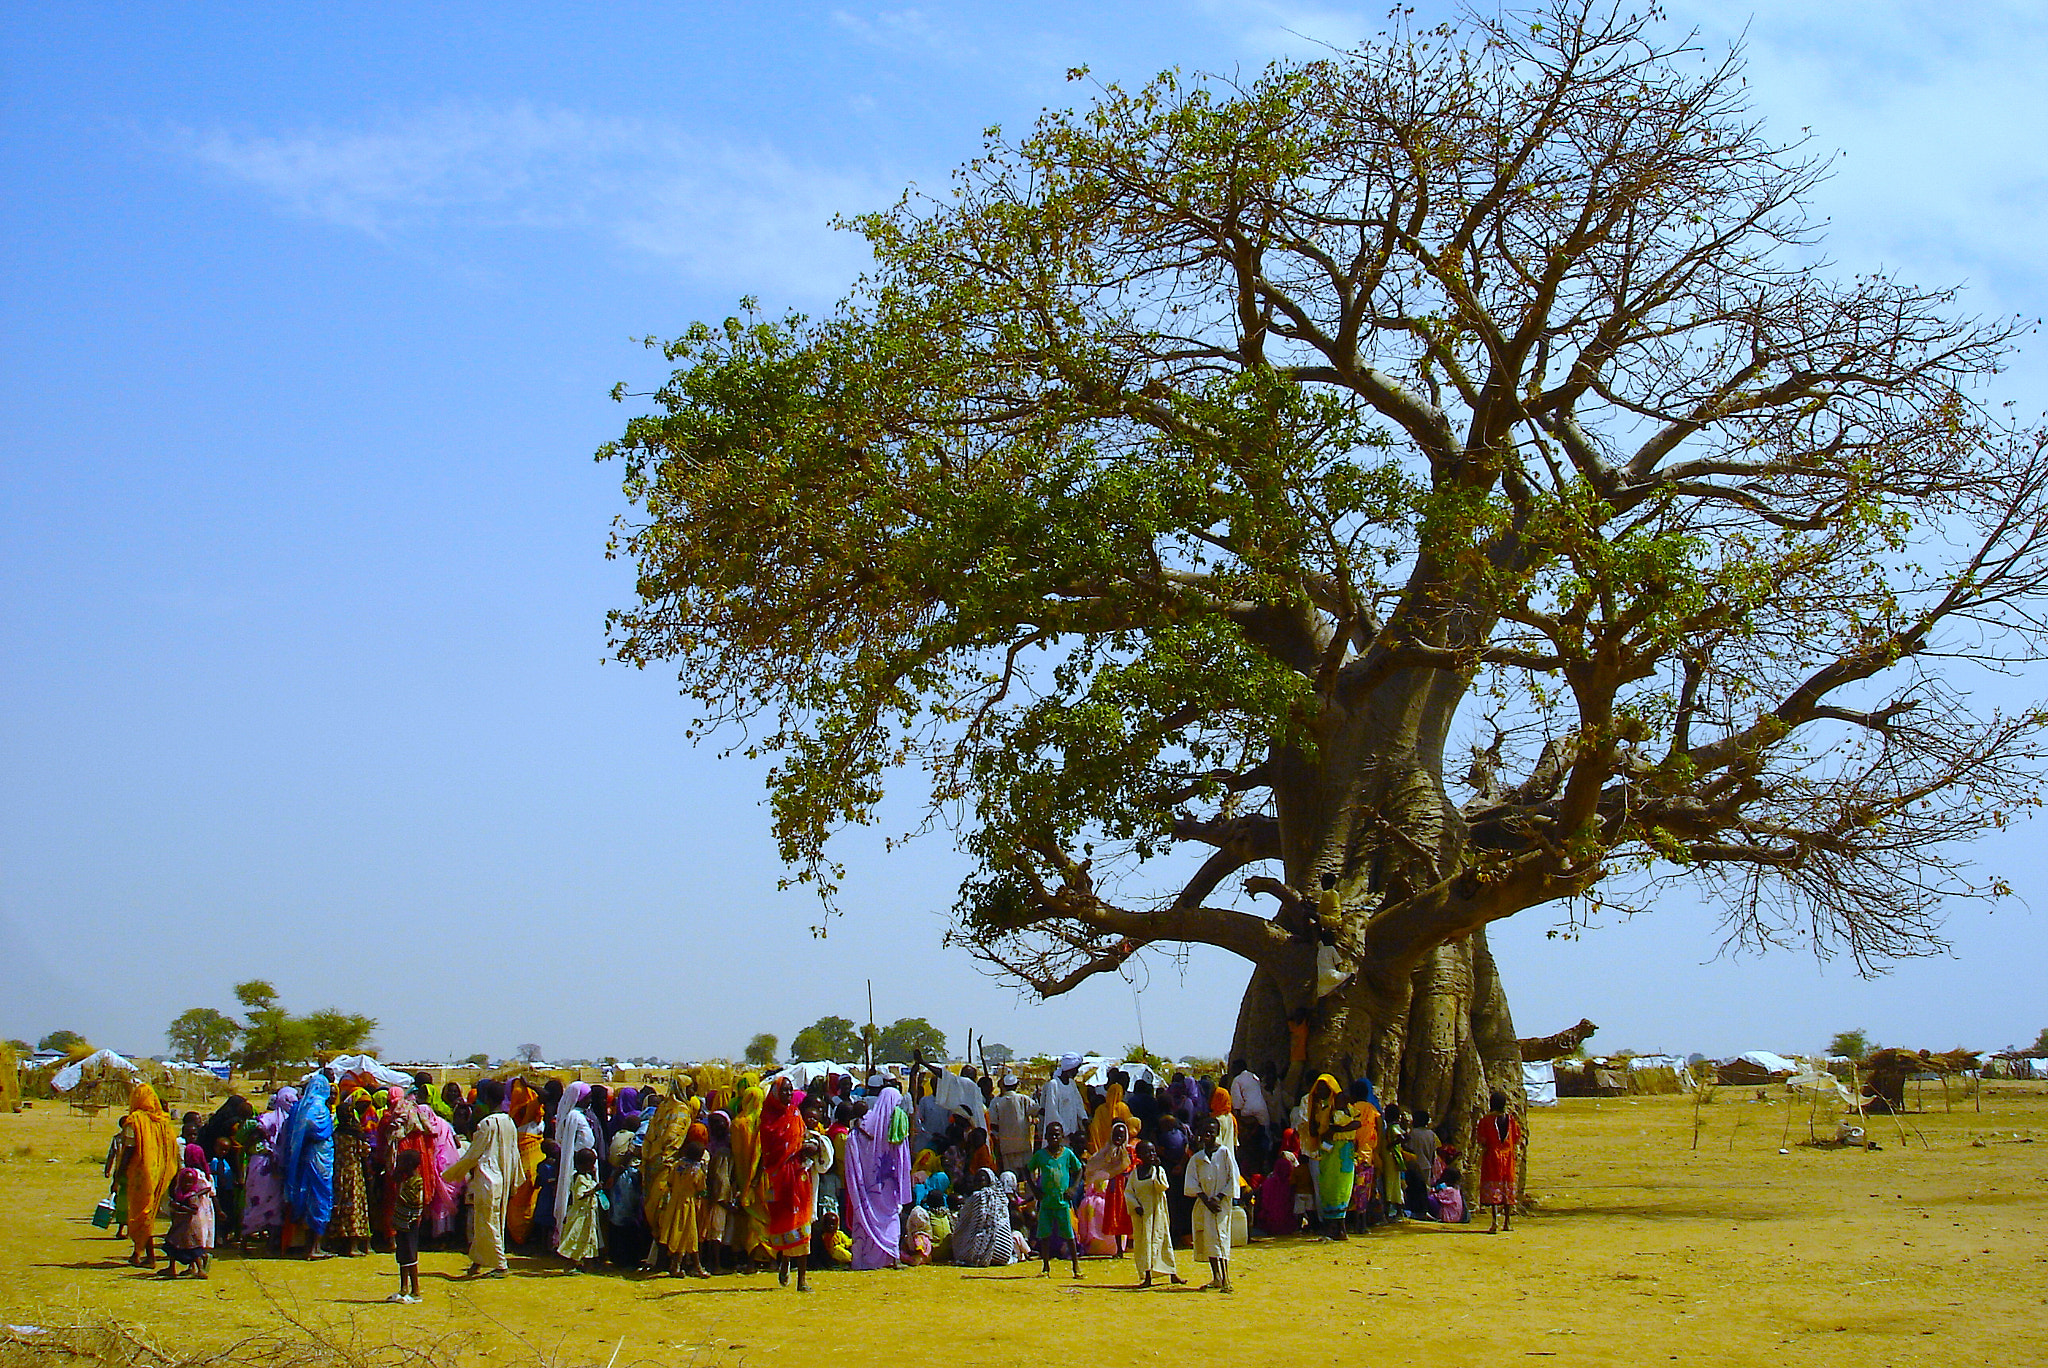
column 1322, row 515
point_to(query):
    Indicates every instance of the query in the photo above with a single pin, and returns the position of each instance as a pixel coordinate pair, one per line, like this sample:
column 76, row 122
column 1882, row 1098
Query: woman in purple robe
column 878, row 1182
column 263, row 1210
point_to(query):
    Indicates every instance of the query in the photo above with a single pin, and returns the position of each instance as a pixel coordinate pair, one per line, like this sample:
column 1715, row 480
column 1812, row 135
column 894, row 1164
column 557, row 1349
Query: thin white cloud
column 718, row 211
column 1266, row 29
column 901, row 30
column 1943, row 173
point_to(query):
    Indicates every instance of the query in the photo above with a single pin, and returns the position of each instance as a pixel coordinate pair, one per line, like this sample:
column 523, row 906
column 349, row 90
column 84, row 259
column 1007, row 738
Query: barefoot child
column 579, row 1243
column 1056, row 1175
column 1150, row 1225
column 684, row 1232
column 409, row 1203
column 190, row 1238
column 1499, row 1137
column 1212, row 1182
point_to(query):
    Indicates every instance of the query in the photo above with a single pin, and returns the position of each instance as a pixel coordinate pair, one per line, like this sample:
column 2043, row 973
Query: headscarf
column 524, row 1105
column 225, row 1122
column 1181, row 1098
column 1112, row 1159
column 306, row 1153
column 629, row 1108
column 1320, row 1123
column 153, row 1162
column 1108, row 1114
column 193, row 1176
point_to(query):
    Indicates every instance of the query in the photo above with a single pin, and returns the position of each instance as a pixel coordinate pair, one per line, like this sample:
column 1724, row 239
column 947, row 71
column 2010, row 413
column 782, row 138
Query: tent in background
column 365, row 1064
column 1539, row 1083
column 93, row 1068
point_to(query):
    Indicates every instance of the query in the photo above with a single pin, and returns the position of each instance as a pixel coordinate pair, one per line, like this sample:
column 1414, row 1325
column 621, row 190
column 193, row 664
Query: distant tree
column 998, row 1054
column 202, row 1033
column 830, row 1037
column 530, row 1053
column 761, row 1049
column 1138, row 1054
column 62, row 1040
column 256, row 994
column 273, row 1038
column 1851, row 1044
column 333, row 1031
column 21, row 1047
column 2041, row 1040
column 479, row 1060
column 909, row 1036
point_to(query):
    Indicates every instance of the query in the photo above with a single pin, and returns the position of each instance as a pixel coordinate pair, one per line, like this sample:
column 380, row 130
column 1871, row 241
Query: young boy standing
column 409, row 1204
column 1212, row 1181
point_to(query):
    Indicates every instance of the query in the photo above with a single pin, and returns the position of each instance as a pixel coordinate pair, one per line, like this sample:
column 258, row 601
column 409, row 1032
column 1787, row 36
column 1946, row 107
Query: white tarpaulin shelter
column 1771, row 1063
column 1539, row 1083
column 364, row 1064
column 1820, row 1084
column 1095, row 1072
column 810, row 1071
column 92, row 1068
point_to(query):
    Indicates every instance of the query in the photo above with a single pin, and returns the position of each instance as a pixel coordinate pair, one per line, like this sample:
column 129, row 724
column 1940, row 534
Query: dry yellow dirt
column 1645, row 1251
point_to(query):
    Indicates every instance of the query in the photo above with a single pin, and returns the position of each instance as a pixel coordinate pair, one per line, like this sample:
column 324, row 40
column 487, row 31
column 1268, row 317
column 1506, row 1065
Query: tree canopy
column 1851, row 1044
column 62, row 1040
column 761, row 1049
column 829, row 1037
column 202, row 1033
column 1189, row 475
column 908, row 1037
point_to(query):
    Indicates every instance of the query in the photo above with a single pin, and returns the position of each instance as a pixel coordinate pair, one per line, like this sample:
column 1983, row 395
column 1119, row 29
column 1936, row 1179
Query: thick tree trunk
column 1368, row 807
column 1440, row 1039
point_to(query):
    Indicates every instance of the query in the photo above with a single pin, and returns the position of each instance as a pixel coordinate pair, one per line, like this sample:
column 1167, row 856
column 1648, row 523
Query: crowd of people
column 896, row 1169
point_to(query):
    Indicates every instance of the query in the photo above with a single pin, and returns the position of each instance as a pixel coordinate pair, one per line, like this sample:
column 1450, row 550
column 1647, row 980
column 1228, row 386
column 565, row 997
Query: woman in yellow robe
column 752, row 1243
column 658, row 1150
column 150, row 1137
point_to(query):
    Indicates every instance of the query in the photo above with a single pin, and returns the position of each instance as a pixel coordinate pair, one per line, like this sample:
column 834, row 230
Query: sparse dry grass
column 1643, row 1250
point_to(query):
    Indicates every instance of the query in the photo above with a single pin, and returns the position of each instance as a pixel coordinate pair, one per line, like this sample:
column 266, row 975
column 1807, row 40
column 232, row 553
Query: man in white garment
column 1060, row 1099
column 1009, row 1124
column 491, row 1164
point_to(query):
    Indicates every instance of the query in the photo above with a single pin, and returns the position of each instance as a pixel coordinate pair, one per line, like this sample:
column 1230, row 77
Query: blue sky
column 309, row 326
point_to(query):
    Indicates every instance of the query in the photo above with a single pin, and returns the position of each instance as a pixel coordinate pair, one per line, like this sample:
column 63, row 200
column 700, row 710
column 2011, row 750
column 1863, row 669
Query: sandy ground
column 1645, row 1250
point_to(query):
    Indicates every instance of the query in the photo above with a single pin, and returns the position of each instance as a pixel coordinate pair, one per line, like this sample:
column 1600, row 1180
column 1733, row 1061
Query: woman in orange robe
column 529, row 1115
column 150, row 1136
